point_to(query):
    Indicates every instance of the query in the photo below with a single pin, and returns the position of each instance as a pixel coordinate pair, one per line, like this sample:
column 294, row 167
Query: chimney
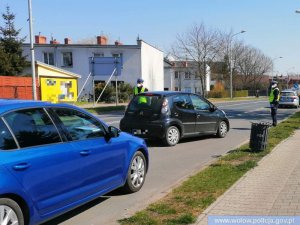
column 118, row 43
column 40, row 39
column 67, row 41
column 101, row 40
column 54, row 42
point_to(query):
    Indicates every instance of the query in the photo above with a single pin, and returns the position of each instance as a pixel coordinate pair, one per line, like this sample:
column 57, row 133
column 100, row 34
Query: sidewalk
column 270, row 189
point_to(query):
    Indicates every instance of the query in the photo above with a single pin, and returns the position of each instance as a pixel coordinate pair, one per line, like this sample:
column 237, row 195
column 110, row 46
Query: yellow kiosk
column 57, row 85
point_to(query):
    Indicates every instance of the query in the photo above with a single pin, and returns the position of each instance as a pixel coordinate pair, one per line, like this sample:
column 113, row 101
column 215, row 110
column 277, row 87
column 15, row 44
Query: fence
column 16, row 87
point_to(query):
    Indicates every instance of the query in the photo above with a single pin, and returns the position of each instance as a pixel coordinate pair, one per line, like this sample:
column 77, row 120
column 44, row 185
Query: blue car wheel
column 10, row 212
column 136, row 173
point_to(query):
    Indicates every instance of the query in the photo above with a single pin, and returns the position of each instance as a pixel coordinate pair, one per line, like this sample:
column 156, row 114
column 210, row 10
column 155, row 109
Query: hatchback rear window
column 146, row 102
column 288, row 94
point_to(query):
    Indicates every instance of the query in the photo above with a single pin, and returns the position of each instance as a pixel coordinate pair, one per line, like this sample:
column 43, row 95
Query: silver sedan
column 289, row 98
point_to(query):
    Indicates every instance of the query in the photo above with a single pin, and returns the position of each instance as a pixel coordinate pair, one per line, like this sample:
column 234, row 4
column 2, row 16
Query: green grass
column 186, row 202
column 236, row 99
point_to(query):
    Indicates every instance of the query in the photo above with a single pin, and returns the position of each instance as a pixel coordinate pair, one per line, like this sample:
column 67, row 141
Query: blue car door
column 103, row 161
column 46, row 167
column 104, row 165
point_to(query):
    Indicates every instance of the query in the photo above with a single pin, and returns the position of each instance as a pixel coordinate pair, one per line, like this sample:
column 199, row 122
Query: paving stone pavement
column 270, row 189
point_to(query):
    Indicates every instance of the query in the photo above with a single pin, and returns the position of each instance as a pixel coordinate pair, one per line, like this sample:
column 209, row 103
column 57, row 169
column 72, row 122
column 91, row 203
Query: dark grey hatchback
column 170, row 116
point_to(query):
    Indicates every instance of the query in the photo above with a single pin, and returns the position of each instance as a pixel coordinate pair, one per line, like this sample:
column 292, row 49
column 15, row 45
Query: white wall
column 152, row 67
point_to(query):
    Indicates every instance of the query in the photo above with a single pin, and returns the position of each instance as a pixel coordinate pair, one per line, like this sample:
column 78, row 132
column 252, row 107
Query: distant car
column 288, row 98
column 170, row 116
column 55, row 157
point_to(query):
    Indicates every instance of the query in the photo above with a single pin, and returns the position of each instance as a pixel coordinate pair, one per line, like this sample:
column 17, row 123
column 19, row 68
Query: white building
column 139, row 61
column 181, row 76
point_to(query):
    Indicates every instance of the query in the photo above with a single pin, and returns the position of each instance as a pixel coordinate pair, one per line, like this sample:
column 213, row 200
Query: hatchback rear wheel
column 222, row 129
column 172, row 136
column 10, row 212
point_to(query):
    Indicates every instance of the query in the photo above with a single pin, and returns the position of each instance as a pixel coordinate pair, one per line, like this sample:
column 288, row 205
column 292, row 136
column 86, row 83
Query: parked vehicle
column 55, row 157
column 289, row 98
column 170, row 116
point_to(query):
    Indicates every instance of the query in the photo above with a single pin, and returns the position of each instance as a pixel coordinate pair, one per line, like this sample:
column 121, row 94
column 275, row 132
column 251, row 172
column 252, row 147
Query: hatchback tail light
column 165, row 106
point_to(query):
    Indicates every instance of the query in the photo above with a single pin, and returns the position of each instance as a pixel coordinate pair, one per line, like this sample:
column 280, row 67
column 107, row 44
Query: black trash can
column 259, row 136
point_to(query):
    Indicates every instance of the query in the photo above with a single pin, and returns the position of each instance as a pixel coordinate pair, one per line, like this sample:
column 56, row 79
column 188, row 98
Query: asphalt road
column 169, row 166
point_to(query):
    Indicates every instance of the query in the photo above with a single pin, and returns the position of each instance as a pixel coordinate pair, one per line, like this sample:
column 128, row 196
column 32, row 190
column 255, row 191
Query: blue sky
column 272, row 25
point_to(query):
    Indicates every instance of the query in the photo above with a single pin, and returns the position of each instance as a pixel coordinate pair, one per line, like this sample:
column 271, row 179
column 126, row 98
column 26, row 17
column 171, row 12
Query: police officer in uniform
column 274, row 101
column 139, row 88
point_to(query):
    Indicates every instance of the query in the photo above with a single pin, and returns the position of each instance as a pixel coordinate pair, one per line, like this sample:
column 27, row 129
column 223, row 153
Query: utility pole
column 34, row 97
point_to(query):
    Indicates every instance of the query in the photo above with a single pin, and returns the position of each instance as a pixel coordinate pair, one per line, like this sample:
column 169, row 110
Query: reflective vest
column 271, row 97
column 141, row 99
column 136, row 90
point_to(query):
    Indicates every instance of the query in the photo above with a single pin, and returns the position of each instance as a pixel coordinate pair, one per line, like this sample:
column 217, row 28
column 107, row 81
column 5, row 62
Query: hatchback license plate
column 139, row 131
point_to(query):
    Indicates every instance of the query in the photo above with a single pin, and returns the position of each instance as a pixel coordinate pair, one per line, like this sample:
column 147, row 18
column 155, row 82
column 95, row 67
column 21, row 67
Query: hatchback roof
column 164, row 93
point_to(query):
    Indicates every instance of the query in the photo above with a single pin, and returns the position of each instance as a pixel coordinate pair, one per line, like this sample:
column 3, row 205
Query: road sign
column 296, row 86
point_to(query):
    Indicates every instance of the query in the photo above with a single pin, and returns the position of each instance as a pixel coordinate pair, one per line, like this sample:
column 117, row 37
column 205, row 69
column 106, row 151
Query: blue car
column 55, row 157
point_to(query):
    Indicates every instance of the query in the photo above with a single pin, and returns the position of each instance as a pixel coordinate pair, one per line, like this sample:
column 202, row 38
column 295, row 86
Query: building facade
column 181, row 76
column 138, row 61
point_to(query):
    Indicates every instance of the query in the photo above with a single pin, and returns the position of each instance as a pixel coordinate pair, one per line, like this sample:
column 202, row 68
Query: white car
column 288, row 98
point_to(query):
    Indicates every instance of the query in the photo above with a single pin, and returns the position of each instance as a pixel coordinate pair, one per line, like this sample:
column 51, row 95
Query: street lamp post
column 288, row 77
column 280, row 57
column 230, row 59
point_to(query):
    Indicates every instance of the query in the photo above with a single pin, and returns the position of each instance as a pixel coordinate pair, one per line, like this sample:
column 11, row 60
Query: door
column 47, row 168
column 206, row 120
column 102, row 161
column 183, row 110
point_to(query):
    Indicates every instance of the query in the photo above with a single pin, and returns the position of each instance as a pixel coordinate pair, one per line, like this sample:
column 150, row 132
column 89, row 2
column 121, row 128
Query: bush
column 109, row 94
column 218, row 94
column 226, row 94
column 242, row 93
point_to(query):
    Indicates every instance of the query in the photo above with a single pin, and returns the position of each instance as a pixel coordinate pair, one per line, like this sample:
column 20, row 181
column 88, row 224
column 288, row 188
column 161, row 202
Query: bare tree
column 225, row 43
column 199, row 46
column 249, row 64
column 252, row 65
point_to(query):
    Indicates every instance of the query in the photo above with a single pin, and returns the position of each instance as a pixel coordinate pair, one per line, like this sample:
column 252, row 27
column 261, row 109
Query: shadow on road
column 261, row 115
column 76, row 211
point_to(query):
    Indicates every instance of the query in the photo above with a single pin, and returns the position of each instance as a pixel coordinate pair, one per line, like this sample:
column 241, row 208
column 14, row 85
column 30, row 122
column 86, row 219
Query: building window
column 197, row 77
column 98, row 54
column 176, row 89
column 49, row 58
column 187, row 75
column 67, row 59
column 188, row 89
column 176, row 74
column 116, row 55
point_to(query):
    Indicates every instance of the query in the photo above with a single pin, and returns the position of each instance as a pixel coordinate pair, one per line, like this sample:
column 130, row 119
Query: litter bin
column 259, row 136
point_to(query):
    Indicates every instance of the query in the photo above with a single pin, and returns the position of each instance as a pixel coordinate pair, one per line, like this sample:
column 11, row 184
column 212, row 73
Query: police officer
column 274, row 101
column 139, row 88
